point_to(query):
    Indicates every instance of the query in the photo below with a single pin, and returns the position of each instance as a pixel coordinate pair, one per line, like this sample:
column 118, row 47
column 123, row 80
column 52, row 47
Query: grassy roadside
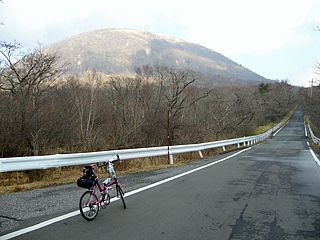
column 26, row 180
column 265, row 128
column 315, row 147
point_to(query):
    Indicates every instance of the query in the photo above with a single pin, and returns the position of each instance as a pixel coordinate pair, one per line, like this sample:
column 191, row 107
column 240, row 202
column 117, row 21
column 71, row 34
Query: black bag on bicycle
column 84, row 183
column 87, row 179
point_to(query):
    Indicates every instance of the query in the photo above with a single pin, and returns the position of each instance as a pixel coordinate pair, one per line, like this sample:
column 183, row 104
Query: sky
column 278, row 39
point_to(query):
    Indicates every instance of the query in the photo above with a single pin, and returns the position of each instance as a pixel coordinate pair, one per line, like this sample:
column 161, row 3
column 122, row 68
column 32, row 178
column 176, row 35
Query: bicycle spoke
column 88, row 206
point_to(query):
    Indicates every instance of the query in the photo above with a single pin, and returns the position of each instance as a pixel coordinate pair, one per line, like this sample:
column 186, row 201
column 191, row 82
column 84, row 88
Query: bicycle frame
column 114, row 181
column 96, row 186
column 103, row 189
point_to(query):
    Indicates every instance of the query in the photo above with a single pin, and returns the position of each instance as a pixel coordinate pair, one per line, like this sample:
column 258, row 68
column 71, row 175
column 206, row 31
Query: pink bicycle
column 98, row 195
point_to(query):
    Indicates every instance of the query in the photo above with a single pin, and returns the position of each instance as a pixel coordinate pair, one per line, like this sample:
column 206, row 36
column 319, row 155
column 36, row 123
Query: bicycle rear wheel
column 121, row 194
column 88, row 206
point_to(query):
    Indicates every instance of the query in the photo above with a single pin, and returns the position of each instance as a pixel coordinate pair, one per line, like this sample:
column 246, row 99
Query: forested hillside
column 46, row 112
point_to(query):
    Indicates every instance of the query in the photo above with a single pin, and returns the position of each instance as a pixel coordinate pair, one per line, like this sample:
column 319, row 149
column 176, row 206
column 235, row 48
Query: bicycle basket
column 85, row 183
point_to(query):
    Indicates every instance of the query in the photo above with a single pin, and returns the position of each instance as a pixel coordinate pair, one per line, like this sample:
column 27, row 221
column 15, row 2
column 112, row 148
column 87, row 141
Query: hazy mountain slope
column 121, row 50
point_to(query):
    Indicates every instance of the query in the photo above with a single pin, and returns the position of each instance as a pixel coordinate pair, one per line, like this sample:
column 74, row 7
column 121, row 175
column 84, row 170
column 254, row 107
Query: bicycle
column 98, row 195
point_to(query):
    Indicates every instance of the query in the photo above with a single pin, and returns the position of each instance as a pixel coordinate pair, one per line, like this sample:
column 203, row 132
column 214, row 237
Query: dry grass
column 315, row 147
column 264, row 128
column 24, row 180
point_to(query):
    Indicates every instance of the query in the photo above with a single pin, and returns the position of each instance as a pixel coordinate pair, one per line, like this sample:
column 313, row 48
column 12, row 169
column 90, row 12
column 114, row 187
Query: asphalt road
column 268, row 192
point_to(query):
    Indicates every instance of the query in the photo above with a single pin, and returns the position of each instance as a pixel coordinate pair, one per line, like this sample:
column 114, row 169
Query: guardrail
column 313, row 137
column 61, row 160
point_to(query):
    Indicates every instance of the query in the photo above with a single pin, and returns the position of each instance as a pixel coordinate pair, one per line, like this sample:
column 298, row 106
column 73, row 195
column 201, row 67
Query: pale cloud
column 234, row 27
column 37, row 14
column 302, row 77
column 229, row 26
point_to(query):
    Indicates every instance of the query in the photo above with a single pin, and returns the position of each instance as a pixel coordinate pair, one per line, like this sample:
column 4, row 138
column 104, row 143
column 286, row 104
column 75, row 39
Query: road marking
column 183, row 174
column 74, row 213
column 278, row 131
column 305, row 130
column 39, row 225
column 314, row 156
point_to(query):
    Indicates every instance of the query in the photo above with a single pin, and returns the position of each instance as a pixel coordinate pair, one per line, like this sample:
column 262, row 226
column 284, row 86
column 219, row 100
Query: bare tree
column 27, row 76
column 127, row 99
column 85, row 99
column 172, row 86
column 220, row 109
column 174, row 96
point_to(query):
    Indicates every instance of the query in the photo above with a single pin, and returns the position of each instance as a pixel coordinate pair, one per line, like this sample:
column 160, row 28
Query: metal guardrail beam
column 61, row 160
column 313, row 137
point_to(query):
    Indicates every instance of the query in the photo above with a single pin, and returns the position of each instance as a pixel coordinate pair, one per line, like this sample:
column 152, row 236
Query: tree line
column 45, row 110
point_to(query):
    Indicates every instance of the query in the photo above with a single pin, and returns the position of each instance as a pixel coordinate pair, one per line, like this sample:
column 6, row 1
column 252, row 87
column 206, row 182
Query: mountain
column 120, row 51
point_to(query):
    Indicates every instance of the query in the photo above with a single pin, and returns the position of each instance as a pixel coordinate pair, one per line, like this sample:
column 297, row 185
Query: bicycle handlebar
column 116, row 160
column 112, row 160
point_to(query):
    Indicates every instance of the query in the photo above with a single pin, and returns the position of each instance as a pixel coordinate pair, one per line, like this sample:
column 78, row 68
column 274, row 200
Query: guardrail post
column 224, row 148
column 244, row 144
column 200, row 154
column 238, row 145
column 171, row 159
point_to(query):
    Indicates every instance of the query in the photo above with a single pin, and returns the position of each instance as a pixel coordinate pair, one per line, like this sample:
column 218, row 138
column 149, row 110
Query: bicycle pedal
column 103, row 205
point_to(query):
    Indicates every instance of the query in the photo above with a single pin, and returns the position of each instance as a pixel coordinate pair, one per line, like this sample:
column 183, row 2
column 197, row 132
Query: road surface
column 271, row 191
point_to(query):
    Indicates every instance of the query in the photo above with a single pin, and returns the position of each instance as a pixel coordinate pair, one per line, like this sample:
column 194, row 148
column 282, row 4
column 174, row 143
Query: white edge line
column 305, row 130
column 39, row 225
column 278, row 131
column 314, row 156
column 74, row 213
column 184, row 174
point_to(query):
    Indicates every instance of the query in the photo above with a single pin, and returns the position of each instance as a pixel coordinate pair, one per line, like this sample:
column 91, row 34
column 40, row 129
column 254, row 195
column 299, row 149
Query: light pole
column 311, row 87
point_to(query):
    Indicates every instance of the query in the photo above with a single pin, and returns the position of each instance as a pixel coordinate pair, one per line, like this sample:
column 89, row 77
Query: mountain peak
column 121, row 50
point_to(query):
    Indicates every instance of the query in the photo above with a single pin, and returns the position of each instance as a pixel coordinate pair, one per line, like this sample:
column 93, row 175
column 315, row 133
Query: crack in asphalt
column 11, row 218
column 239, row 223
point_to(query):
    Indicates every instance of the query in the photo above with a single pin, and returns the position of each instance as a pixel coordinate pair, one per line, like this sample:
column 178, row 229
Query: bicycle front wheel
column 88, row 205
column 121, row 194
